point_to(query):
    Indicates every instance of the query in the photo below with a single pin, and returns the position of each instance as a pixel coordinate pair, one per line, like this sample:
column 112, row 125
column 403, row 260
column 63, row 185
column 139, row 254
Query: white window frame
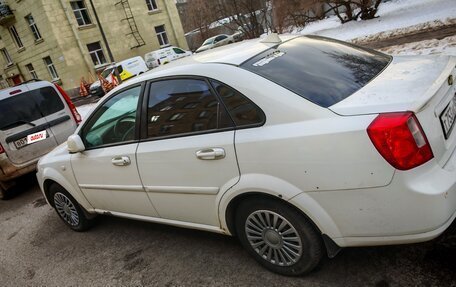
column 33, row 27
column 31, row 70
column 15, row 36
column 97, row 55
column 51, row 68
column 7, row 57
column 79, row 11
column 152, row 4
column 160, row 37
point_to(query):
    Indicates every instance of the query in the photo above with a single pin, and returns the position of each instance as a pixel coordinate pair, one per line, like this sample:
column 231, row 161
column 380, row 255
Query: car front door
column 186, row 156
column 106, row 171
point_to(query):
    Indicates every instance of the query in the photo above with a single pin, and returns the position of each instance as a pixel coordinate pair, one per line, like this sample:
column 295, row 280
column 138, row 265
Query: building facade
column 65, row 40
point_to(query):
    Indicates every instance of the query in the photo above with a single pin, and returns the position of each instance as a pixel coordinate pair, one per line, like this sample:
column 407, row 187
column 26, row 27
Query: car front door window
column 114, row 122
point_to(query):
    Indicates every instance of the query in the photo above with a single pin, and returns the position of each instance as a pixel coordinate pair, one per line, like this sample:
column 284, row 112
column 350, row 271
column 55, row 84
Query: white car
column 164, row 56
column 215, row 42
column 299, row 148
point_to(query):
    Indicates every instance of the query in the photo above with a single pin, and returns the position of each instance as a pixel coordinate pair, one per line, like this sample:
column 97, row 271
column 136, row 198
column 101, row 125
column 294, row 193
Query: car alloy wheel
column 273, row 237
column 66, row 209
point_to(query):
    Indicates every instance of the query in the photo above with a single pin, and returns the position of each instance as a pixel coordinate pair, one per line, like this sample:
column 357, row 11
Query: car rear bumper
column 418, row 205
column 9, row 171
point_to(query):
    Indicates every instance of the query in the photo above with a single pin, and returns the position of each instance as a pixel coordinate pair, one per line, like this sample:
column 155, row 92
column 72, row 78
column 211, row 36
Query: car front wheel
column 68, row 209
column 278, row 237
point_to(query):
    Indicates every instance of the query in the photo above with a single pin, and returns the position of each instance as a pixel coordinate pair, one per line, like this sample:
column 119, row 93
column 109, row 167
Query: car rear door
column 22, row 114
column 56, row 111
column 186, row 156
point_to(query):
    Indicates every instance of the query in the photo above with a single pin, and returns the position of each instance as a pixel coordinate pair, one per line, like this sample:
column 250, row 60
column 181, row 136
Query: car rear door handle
column 121, row 161
column 211, row 153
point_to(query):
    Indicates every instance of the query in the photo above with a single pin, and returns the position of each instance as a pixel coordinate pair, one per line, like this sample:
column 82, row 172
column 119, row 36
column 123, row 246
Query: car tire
column 68, row 209
column 279, row 237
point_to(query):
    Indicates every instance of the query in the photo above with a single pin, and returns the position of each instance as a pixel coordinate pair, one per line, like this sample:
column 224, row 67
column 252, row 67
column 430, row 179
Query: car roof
column 234, row 54
column 23, row 87
column 237, row 53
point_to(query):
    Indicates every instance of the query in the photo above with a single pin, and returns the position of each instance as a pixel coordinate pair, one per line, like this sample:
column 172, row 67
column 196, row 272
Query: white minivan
column 164, row 56
column 125, row 69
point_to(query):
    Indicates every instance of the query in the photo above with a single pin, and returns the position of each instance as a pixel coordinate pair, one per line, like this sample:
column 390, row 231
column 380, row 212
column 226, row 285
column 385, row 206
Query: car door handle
column 211, row 153
column 121, row 161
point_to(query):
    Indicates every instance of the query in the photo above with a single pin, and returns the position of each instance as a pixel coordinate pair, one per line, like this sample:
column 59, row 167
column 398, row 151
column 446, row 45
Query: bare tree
column 349, row 10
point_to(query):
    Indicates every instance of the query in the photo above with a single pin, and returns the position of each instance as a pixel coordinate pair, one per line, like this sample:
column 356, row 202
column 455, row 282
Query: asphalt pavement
column 37, row 249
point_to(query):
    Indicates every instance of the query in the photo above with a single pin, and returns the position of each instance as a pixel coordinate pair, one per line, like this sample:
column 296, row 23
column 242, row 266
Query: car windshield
column 106, row 72
column 321, row 70
column 208, row 41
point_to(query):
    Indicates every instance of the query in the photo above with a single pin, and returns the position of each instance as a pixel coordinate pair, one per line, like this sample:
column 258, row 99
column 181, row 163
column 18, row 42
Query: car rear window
column 321, row 70
column 28, row 107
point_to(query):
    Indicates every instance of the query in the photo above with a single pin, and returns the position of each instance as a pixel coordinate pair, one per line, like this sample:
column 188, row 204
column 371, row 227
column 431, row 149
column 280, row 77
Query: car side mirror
column 75, row 144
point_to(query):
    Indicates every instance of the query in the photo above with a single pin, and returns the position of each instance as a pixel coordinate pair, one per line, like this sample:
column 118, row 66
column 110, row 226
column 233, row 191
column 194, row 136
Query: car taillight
column 399, row 138
column 2, row 150
column 74, row 111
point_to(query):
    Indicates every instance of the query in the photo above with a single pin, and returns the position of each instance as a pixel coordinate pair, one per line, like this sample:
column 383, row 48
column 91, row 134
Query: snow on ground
column 445, row 46
column 398, row 15
column 85, row 109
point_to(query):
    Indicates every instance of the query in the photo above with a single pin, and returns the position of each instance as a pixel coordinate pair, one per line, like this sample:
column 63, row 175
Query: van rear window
column 321, row 70
column 28, row 107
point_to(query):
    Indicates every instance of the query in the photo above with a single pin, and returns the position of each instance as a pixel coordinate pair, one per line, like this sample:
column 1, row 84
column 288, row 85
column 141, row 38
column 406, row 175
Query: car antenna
column 272, row 38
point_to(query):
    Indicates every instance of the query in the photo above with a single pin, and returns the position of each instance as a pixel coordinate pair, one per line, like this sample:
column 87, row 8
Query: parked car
column 215, row 42
column 164, row 56
column 299, row 147
column 124, row 70
column 35, row 117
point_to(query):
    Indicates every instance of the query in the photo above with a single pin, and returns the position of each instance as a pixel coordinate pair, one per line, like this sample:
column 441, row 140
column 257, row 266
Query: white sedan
column 215, row 42
column 298, row 147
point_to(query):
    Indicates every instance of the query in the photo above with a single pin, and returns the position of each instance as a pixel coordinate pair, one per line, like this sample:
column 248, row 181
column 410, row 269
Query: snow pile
column 403, row 15
column 446, row 46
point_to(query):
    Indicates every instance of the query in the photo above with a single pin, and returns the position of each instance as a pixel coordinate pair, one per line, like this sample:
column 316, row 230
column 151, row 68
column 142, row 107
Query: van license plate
column 20, row 143
column 448, row 118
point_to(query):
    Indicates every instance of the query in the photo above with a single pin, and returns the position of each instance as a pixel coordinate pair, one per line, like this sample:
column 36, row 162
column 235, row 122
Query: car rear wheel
column 68, row 209
column 278, row 237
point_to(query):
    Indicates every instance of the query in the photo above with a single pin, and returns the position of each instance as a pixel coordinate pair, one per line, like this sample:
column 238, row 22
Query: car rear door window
column 184, row 106
column 243, row 111
column 321, row 70
column 28, row 107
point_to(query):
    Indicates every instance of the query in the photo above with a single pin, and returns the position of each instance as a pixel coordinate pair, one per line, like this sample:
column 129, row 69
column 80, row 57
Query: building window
column 32, row 71
column 96, row 53
column 51, row 69
column 152, row 5
column 15, row 36
column 81, row 13
column 33, row 27
column 7, row 57
column 161, row 35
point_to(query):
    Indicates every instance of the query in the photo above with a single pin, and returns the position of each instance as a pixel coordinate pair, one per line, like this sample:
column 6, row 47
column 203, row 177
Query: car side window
column 114, row 121
column 243, row 111
column 184, row 106
column 178, row 51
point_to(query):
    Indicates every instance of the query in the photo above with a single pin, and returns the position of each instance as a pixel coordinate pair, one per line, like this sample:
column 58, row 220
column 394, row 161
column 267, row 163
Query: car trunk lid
column 418, row 84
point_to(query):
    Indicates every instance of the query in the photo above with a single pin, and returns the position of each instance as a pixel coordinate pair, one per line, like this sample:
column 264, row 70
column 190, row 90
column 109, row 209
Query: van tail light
column 399, row 138
column 2, row 150
column 74, row 111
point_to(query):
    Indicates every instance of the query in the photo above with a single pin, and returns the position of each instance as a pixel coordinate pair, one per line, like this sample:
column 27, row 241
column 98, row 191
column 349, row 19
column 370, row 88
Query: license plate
column 32, row 138
column 20, row 143
column 448, row 118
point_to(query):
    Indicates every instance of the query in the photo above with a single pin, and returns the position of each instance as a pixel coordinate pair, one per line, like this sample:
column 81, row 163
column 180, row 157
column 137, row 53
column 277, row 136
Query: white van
column 125, row 69
column 164, row 56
